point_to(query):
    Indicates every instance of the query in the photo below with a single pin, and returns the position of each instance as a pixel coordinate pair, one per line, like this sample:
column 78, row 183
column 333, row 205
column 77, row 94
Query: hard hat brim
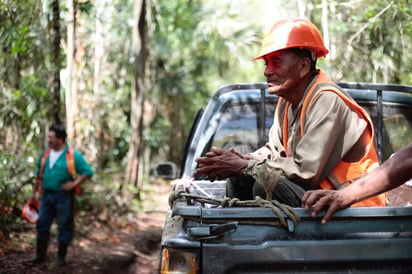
column 320, row 52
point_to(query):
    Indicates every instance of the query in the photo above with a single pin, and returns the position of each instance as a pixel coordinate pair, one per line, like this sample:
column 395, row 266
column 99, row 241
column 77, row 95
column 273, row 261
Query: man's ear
column 304, row 66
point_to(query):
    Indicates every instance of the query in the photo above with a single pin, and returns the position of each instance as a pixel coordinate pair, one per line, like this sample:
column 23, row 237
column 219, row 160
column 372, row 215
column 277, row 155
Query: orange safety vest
column 343, row 171
column 71, row 169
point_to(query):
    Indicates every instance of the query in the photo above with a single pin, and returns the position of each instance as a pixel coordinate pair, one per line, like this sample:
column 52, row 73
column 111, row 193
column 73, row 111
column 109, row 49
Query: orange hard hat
column 30, row 211
column 293, row 33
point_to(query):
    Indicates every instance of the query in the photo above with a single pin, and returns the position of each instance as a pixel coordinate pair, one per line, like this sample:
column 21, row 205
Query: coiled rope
column 276, row 206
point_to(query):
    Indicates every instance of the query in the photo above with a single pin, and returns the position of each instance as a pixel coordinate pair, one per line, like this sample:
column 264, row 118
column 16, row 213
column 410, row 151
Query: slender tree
column 71, row 87
column 55, row 38
column 134, row 167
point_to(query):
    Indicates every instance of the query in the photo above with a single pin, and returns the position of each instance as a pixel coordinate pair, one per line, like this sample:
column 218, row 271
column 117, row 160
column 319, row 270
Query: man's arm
column 83, row 169
column 394, row 172
column 73, row 184
column 36, row 186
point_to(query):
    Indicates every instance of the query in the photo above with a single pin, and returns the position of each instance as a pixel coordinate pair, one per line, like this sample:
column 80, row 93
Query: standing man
column 320, row 138
column 57, row 182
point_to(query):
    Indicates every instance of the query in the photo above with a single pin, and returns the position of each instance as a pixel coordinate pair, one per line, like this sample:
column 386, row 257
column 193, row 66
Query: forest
column 126, row 78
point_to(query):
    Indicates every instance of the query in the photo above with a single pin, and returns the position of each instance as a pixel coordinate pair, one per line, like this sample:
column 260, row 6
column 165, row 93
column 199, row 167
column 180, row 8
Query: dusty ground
column 129, row 245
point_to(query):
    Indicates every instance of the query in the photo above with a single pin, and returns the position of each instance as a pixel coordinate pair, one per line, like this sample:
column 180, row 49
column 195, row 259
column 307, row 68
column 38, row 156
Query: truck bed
column 358, row 240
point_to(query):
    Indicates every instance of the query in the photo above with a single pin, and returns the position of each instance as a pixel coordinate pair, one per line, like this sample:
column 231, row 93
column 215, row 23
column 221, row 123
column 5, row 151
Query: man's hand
column 220, row 164
column 34, row 196
column 73, row 184
column 69, row 186
column 316, row 200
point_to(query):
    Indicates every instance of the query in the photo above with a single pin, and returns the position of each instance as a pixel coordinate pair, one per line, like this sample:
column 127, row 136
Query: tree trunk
column 325, row 30
column 305, row 9
column 97, row 144
column 71, row 92
column 56, row 64
column 134, row 167
column 176, row 114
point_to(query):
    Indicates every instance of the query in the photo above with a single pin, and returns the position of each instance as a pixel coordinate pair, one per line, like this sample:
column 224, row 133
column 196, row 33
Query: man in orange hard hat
column 321, row 137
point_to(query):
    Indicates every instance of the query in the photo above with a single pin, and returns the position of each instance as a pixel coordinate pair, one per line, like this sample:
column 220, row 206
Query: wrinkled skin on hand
column 333, row 200
column 220, row 164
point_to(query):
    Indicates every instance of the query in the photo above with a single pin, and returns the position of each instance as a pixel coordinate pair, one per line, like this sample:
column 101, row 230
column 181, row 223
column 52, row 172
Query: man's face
column 282, row 73
column 54, row 142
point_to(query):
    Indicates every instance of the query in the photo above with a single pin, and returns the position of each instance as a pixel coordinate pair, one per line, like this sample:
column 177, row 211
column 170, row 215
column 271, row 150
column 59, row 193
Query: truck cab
column 203, row 235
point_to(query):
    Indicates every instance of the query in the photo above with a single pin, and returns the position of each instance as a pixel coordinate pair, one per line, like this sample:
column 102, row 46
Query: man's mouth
column 272, row 83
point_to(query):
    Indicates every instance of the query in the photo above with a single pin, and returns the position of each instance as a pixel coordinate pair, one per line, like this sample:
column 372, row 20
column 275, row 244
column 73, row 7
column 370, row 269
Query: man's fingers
column 203, row 170
column 319, row 205
column 201, row 159
column 217, row 150
column 305, row 197
column 211, row 154
column 219, row 164
column 205, row 161
column 328, row 214
column 237, row 153
column 329, row 201
column 310, row 198
column 317, row 200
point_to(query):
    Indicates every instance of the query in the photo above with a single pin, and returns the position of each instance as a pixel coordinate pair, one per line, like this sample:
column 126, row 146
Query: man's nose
column 268, row 71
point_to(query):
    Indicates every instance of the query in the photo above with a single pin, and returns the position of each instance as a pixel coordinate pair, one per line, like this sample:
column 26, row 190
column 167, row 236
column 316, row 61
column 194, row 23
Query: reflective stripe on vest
column 343, row 171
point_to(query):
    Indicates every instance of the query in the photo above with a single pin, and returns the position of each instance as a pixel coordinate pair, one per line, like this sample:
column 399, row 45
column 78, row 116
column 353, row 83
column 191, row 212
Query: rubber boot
column 61, row 254
column 41, row 252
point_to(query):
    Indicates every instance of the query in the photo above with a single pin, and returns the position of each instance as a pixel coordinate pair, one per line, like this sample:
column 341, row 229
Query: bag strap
column 41, row 170
column 71, row 166
column 71, row 169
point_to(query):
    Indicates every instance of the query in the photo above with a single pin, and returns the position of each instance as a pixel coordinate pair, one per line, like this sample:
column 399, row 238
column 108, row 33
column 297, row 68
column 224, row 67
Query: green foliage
column 84, row 6
column 196, row 46
column 21, row 37
column 372, row 41
column 105, row 112
column 24, row 101
column 16, row 181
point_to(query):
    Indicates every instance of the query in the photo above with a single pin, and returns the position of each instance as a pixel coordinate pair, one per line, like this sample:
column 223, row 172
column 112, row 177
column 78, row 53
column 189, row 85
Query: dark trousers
column 246, row 188
column 59, row 205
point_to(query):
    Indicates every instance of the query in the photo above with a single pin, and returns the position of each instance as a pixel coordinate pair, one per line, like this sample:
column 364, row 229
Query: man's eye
column 275, row 61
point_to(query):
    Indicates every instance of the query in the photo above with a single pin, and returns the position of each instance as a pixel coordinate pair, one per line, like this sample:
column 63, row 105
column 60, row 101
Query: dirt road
column 128, row 245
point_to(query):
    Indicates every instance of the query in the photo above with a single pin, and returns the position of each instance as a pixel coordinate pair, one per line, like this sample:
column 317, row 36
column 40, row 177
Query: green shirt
column 54, row 177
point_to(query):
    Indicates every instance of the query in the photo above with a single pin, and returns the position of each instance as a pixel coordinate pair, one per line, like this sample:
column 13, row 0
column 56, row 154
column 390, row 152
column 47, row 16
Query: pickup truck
column 204, row 235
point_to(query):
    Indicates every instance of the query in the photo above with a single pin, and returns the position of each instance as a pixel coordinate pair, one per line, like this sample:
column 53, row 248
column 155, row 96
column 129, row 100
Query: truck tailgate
column 376, row 241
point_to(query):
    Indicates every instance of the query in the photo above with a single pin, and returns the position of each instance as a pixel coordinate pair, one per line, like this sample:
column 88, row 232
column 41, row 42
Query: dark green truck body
column 204, row 238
